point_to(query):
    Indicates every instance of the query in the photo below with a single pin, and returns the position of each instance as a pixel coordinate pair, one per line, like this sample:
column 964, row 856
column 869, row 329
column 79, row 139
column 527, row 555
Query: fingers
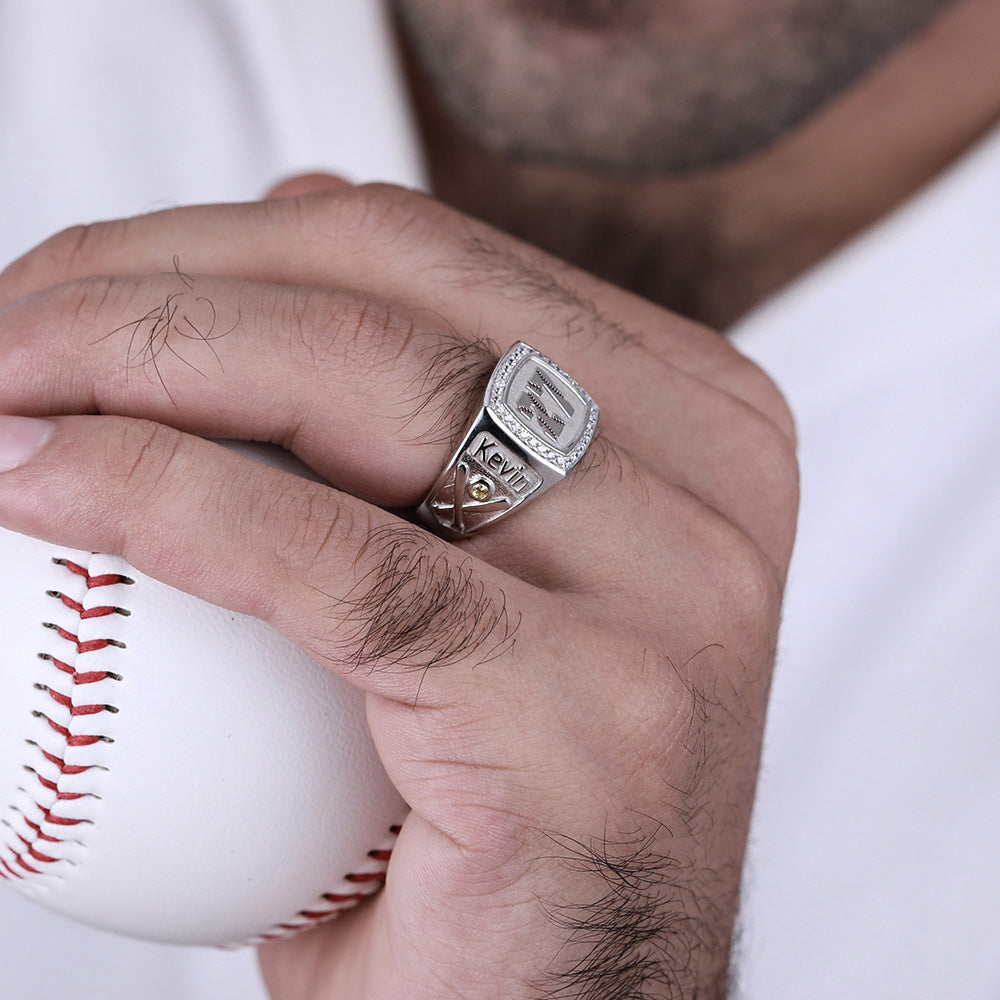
column 374, row 599
column 352, row 385
column 370, row 597
column 370, row 363
column 399, row 245
column 368, row 394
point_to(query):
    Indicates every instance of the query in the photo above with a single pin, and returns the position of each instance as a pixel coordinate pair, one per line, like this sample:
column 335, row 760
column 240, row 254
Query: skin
column 572, row 702
column 750, row 225
column 643, row 85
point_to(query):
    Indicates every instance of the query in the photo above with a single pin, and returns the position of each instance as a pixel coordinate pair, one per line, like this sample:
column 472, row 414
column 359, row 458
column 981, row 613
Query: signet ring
column 534, row 425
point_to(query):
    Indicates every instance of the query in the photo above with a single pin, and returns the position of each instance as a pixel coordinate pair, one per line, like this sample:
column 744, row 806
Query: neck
column 712, row 245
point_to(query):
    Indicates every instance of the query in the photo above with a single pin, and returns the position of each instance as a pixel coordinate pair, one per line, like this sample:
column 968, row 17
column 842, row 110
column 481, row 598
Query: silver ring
column 535, row 424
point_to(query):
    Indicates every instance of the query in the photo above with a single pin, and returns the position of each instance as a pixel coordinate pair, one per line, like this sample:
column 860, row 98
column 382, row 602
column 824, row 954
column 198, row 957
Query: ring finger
column 366, row 393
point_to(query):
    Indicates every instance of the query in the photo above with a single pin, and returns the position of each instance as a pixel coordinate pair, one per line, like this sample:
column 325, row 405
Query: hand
column 572, row 701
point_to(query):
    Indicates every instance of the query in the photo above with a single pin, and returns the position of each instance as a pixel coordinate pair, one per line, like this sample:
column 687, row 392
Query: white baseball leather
column 216, row 786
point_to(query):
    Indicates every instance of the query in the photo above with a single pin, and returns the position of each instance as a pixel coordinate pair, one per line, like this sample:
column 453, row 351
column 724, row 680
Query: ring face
column 536, row 423
column 539, row 404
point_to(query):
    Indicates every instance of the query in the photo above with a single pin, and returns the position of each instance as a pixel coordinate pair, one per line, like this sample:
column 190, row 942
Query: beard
column 647, row 86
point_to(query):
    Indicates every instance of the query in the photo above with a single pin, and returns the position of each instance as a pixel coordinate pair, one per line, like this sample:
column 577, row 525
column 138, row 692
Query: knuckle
column 88, row 307
column 309, row 527
column 143, row 457
column 781, row 413
column 761, row 391
column 772, row 403
column 71, row 253
column 58, row 320
column 783, row 484
column 374, row 336
column 86, row 300
column 745, row 593
column 375, row 216
column 68, row 251
column 84, row 307
column 606, row 463
column 774, row 464
column 771, row 496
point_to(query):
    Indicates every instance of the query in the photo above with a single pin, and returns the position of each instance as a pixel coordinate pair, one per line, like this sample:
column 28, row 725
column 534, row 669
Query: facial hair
column 666, row 86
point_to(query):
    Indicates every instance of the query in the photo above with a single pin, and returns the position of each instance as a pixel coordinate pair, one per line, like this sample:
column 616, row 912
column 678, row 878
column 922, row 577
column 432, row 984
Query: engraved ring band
column 535, row 424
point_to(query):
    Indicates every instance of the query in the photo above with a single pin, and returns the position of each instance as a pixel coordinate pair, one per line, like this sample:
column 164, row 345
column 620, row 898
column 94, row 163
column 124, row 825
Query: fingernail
column 20, row 438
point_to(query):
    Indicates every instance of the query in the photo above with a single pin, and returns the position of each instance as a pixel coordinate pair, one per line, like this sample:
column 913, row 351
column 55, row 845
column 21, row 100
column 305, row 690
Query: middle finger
column 401, row 245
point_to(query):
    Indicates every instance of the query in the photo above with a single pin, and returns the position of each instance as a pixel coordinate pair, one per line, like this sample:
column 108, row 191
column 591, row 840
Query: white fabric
column 874, row 867
column 873, row 870
column 112, row 107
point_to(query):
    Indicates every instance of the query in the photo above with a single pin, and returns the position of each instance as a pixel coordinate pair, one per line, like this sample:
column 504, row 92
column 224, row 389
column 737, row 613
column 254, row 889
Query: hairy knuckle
column 414, row 608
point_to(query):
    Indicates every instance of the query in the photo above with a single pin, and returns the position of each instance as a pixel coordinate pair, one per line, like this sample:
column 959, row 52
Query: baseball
column 173, row 771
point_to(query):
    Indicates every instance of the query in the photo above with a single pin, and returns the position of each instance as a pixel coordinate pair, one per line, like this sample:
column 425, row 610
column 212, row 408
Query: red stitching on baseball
column 39, row 834
column 64, row 768
column 105, row 580
column 102, row 612
column 366, row 877
column 22, row 859
column 88, row 645
column 53, row 786
column 65, row 701
column 18, row 863
column 338, row 902
column 93, row 677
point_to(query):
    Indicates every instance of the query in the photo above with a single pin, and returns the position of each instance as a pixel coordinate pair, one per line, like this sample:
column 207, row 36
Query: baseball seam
column 332, row 904
column 43, row 830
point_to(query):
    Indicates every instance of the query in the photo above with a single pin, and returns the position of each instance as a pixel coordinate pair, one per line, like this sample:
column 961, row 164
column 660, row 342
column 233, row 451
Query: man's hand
column 572, row 701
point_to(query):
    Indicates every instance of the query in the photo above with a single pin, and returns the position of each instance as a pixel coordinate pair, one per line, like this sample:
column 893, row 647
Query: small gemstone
column 479, row 491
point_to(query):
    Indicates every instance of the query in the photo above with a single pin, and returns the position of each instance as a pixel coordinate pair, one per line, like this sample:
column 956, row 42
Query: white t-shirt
column 874, row 868
column 872, row 871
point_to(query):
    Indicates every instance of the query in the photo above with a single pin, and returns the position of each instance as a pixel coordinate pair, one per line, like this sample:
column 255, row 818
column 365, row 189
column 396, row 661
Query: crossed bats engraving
column 462, row 502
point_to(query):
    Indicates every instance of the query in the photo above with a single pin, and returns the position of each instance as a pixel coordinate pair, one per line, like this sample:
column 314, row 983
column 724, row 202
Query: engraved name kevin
column 504, row 465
